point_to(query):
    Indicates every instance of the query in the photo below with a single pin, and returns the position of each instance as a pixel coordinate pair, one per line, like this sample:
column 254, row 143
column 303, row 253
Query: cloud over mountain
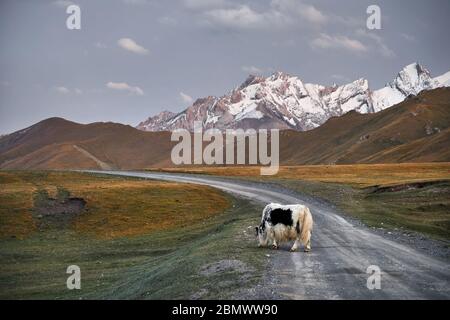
column 131, row 45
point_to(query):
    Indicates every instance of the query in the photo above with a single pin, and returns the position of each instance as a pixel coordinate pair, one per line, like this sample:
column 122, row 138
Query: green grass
column 425, row 210
column 162, row 263
column 352, row 189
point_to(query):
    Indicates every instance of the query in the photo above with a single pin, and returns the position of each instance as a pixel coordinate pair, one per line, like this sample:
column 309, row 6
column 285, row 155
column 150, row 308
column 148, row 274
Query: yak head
column 261, row 234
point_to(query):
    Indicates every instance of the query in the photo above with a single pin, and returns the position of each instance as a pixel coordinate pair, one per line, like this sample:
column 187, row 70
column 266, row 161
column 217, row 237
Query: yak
column 282, row 223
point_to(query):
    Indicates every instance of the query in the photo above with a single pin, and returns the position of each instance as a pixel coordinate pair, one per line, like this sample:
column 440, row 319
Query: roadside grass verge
column 412, row 196
column 420, row 208
column 179, row 273
column 358, row 175
column 163, row 262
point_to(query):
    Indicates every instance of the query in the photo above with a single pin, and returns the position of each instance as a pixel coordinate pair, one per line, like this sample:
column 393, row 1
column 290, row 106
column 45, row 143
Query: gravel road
column 341, row 252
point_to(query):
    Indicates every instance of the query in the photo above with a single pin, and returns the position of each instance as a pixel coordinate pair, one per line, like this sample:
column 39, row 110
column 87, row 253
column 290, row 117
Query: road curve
column 341, row 253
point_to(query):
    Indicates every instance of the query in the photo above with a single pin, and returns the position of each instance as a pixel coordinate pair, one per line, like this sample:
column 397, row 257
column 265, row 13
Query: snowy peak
column 251, row 79
column 157, row 121
column 443, row 80
column 284, row 101
column 412, row 79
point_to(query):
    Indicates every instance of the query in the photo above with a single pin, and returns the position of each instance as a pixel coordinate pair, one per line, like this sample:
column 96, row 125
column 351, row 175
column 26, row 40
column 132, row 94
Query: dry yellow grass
column 424, row 209
column 117, row 207
column 362, row 175
column 130, row 208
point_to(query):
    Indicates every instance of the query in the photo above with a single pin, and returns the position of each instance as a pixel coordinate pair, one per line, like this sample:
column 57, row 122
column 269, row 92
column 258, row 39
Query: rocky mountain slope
column 416, row 130
column 286, row 102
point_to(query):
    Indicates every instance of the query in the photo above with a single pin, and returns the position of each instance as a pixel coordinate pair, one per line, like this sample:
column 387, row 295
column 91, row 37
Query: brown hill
column 416, row 130
column 56, row 143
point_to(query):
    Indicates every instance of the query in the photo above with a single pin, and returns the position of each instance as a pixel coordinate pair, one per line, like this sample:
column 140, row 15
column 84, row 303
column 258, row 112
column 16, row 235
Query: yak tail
column 307, row 226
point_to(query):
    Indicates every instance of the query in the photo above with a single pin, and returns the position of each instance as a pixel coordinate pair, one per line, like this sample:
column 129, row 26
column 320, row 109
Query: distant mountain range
column 286, row 102
column 416, row 130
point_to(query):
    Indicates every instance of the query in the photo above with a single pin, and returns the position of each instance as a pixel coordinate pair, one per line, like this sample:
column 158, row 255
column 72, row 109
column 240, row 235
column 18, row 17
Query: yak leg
column 274, row 244
column 274, row 241
column 308, row 243
column 295, row 246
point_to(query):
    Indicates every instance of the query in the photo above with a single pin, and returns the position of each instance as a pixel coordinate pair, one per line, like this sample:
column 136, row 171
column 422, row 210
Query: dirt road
column 341, row 252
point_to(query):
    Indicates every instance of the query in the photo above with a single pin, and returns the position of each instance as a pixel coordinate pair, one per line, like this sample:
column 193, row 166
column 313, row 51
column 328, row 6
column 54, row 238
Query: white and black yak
column 282, row 223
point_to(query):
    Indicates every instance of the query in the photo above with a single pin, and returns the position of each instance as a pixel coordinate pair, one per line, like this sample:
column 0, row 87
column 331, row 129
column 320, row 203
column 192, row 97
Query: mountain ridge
column 284, row 101
column 416, row 130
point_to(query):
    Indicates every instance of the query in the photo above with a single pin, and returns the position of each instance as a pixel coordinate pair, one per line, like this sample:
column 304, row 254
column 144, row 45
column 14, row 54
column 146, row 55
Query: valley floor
column 398, row 197
column 138, row 235
column 133, row 239
column 343, row 251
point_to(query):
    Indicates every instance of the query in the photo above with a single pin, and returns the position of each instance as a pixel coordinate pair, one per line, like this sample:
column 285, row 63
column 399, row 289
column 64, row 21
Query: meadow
column 132, row 238
column 407, row 197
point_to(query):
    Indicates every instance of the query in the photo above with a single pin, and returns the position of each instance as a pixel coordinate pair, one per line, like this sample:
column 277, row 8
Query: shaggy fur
column 289, row 222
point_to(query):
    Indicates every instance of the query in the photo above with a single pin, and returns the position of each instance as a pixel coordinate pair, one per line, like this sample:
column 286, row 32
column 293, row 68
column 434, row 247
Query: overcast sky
column 134, row 58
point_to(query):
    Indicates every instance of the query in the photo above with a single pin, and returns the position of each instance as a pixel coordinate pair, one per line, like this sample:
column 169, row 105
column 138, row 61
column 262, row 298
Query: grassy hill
column 416, row 130
column 56, row 143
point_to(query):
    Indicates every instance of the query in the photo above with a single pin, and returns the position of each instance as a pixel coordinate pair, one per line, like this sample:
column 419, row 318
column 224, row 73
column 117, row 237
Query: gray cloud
column 62, row 90
column 279, row 14
column 295, row 9
column 123, row 86
column 205, row 47
column 204, row 4
column 131, row 45
column 326, row 41
column 378, row 42
column 242, row 17
column 186, row 98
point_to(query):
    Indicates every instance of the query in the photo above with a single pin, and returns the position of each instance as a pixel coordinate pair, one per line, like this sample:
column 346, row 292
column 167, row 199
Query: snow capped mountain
column 285, row 102
column 444, row 80
column 157, row 121
column 410, row 81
